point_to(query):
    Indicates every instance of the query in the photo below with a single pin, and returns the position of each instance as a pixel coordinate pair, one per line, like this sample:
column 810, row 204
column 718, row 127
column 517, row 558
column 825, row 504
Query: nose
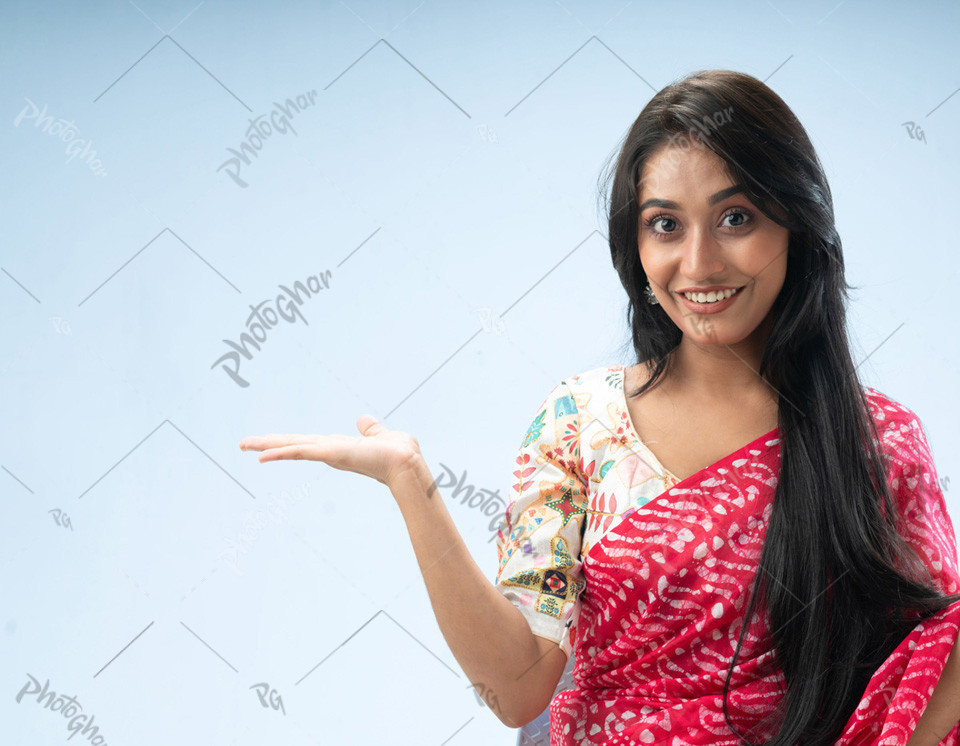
column 702, row 255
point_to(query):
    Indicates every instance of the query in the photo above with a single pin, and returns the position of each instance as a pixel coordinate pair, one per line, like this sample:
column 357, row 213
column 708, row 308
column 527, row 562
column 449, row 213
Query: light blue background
column 446, row 177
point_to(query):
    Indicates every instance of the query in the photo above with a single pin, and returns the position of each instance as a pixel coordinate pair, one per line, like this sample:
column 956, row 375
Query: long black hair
column 848, row 586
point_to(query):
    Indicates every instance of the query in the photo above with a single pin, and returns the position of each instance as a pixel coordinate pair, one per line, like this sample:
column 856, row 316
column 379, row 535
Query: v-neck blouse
column 630, row 429
column 581, row 469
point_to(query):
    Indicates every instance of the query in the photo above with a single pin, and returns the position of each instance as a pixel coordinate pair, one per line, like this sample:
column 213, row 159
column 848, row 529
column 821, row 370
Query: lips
column 711, row 288
column 709, row 308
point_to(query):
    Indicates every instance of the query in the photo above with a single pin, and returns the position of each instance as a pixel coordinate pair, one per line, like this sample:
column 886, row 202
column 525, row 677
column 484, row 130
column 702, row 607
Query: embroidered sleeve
column 539, row 546
column 927, row 525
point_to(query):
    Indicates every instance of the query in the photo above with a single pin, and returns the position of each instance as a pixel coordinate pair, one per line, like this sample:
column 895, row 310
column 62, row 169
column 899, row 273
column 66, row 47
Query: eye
column 741, row 212
column 660, row 216
column 745, row 218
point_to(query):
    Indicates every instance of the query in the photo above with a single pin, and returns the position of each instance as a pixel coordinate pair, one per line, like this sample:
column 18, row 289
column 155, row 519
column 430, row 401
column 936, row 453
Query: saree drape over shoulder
column 647, row 577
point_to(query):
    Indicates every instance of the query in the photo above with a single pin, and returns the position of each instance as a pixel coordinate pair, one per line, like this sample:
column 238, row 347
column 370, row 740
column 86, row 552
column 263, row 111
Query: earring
column 651, row 298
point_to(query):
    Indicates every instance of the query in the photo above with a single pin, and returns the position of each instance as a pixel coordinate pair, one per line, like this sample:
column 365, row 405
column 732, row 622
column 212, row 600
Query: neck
column 718, row 370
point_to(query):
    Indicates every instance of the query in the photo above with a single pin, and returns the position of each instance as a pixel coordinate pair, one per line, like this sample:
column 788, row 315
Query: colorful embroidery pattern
column 561, row 491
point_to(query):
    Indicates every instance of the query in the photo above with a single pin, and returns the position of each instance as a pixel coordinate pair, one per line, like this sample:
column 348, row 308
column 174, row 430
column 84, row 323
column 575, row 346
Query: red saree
column 666, row 587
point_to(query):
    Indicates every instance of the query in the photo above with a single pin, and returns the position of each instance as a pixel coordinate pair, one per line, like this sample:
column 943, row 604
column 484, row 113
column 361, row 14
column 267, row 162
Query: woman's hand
column 379, row 453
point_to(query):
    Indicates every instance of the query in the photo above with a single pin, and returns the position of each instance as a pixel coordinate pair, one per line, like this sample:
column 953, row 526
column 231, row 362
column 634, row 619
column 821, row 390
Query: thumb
column 369, row 425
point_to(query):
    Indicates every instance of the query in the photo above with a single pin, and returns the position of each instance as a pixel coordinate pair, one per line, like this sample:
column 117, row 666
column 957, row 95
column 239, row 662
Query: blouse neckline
column 632, row 431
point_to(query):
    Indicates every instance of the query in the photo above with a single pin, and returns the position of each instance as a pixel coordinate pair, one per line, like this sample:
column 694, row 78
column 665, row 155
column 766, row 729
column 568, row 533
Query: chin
column 707, row 335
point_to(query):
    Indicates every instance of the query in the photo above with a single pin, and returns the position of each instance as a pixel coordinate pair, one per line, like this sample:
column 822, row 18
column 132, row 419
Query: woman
column 792, row 577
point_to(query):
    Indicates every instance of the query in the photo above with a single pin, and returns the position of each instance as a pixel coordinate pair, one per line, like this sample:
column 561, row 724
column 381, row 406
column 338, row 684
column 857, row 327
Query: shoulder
column 576, row 401
column 592, row 393
column 597, row 380
column 577, row 390
column 899, row 429
column 890, row 415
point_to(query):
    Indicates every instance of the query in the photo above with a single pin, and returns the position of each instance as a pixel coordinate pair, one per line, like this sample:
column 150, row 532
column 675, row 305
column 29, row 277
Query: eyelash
column 664, row 216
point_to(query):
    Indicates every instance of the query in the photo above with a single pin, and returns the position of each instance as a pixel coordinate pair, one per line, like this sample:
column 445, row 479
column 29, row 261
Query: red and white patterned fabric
column 647, row 577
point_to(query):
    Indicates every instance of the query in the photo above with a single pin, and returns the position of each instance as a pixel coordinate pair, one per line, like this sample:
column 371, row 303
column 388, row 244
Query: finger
column 294, row 452
column 369, row 425
column 273, row 440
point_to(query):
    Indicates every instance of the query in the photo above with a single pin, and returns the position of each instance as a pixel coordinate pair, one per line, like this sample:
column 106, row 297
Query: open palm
column 378, row 452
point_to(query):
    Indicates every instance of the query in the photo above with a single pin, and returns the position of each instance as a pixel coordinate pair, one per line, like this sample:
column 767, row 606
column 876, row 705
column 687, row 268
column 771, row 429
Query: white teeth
column 712, row 297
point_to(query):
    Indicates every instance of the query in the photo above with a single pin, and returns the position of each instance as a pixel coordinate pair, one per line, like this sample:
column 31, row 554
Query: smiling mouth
column 714, row 296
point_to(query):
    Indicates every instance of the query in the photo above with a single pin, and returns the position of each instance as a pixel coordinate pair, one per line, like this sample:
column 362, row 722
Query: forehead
column 671, row 170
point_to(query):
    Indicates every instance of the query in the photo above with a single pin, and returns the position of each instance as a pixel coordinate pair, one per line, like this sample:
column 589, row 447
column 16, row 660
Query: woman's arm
column 513, row 670
column 942, row 712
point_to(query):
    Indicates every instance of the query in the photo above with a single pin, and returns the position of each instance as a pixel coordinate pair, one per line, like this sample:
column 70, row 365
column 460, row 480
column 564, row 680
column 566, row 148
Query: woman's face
column 698, row 233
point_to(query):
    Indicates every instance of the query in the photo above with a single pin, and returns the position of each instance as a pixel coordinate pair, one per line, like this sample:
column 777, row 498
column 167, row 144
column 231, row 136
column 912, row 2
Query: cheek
column 653, row 267
column 777, row 270
column 766, row 259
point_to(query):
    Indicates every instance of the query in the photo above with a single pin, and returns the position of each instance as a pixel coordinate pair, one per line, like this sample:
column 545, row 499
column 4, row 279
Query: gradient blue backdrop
column 443, row 177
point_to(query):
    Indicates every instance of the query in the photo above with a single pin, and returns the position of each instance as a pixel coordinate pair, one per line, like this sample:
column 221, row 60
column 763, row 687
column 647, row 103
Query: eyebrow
column 671, row 205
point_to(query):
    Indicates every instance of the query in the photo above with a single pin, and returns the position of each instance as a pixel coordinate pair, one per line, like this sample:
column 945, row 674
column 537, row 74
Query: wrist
column 413, row 479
